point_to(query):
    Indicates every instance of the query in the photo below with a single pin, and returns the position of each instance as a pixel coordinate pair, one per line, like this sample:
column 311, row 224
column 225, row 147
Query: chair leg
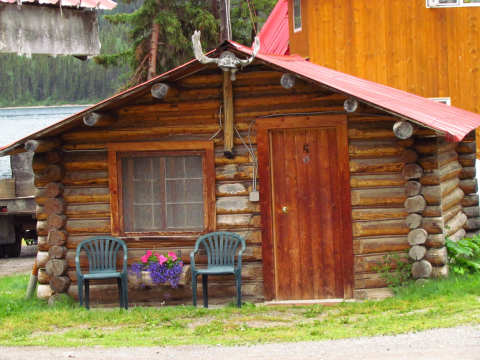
column 194, row 289
column 205, row 290
column 238, row 280
column 80, row 291
column 87, row 294
column 120, row 291
column 125, row 292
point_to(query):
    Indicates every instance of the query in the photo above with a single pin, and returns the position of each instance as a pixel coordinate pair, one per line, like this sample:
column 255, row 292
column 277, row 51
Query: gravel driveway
column 461, row 343
column 20, row 265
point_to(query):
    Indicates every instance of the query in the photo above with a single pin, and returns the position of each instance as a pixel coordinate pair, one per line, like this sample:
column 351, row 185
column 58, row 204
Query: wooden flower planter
column 146, row 280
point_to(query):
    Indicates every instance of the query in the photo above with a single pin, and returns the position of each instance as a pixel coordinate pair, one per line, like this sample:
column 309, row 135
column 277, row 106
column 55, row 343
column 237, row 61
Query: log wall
column 382, row 181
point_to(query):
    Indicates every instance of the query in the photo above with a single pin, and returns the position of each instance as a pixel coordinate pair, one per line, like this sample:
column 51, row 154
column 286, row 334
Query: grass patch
column 443, row 303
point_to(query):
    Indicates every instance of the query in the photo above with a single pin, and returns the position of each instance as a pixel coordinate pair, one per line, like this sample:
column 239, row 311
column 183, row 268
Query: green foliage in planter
column 464, row 255
column 394, row 270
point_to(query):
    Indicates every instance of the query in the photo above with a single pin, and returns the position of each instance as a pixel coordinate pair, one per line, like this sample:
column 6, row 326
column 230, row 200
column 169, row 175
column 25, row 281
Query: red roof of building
column 453, row 122
column 89, row 4
column 274, row 35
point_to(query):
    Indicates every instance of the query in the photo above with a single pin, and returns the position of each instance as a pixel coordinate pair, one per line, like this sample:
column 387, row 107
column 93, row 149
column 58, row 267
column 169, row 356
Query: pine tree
column 160, row 32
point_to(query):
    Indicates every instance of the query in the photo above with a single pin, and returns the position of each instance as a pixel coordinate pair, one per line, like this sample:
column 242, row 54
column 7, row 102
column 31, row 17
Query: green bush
column 464, row 255
column 396, row 271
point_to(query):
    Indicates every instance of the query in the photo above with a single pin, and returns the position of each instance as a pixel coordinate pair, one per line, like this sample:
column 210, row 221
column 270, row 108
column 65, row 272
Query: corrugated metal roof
column 274, row 35
column 88, row 4
column 455, row 123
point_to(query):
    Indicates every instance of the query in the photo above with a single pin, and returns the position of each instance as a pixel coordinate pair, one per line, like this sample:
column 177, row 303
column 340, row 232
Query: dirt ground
column 20, row 265
column 438, row 344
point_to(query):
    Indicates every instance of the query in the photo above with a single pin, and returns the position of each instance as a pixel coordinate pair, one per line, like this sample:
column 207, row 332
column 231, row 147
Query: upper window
column 162, row 188
column 452, row 3
column 297, row 15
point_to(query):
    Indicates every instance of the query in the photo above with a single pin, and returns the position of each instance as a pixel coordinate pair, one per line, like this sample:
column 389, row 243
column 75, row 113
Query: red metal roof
column 89, row 4
column 274, row 35
column 455, row 123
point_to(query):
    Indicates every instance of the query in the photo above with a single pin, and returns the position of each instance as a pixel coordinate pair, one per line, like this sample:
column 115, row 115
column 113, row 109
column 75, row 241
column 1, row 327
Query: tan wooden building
column 338, row 188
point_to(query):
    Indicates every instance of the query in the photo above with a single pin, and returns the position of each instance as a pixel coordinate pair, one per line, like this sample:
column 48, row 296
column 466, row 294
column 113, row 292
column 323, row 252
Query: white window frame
column 443, row 100
column 458, row 3
column 297, row 29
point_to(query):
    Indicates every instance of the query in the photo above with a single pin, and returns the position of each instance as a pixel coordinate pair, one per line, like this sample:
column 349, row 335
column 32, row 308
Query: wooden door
column 310, row 221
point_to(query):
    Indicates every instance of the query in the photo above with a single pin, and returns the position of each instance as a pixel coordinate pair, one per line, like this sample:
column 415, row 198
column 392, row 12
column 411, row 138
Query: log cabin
column 348, row 171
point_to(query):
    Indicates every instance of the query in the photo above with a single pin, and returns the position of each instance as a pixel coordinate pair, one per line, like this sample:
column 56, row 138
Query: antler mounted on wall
column 227, row 61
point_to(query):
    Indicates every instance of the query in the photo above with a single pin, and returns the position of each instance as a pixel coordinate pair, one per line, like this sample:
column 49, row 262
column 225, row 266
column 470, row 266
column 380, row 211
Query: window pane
column 162, row 193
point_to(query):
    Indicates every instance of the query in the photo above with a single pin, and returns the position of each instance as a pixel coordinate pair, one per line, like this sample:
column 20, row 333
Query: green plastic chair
column 102, row 264
column 221, row 248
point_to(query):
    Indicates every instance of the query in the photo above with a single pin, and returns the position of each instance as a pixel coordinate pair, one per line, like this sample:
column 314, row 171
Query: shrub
column 464, row 255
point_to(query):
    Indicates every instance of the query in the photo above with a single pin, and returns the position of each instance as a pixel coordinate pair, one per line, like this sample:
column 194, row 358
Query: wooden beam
column 228, row 111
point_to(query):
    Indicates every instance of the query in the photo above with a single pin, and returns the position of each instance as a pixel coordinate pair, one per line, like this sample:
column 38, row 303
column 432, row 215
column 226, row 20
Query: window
column 451, row 3
column 297, row 16
column 162, row 188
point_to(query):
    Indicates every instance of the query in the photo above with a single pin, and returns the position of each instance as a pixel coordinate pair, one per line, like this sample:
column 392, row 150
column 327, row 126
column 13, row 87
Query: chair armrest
column 77, row 263
column 239, row 260
column 192, row 259
column 125, row 256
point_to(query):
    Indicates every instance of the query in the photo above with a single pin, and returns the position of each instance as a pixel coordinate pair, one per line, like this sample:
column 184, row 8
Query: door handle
column 284, row 209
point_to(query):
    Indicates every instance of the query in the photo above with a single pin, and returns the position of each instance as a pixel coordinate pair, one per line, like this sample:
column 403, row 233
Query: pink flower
column 172, row 255
column 162, row 259
column 144, row 259
column 149, row 253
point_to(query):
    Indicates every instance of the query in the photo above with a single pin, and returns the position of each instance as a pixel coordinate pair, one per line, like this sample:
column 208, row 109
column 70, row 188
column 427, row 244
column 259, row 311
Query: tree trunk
column 152, row 67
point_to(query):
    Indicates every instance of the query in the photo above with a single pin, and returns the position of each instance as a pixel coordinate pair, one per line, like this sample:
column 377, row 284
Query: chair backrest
column 221, row 247
column 102, row 253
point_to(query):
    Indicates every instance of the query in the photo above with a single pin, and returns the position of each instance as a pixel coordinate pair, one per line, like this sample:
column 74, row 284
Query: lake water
column 17, row 123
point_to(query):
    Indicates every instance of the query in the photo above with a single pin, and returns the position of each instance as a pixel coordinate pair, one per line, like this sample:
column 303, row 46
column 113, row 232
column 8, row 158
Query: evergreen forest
column 46, row 80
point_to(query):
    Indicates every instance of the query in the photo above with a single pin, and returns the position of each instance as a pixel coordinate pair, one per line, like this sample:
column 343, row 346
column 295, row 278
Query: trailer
column 17, row 207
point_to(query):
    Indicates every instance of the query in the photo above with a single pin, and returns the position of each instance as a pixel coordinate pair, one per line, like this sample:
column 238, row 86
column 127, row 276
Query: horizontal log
column 370, row 280
column 43, row 277
column 56, row 267
column 56, row 237
column 238, row 221
column 467, row 160
column 417, row 237
column 472, row 211
column 444, row 173
column 370, row 133
column 379, row 214
column 78, row 178
column 415, row 204
column 252, row 253
column 40, row 146
column 433, row 145
column 57, row 252
column 412, row 188
column 439, row 272
column 468, row 172
column 54, row 206
column 466, row 147
column 94, row 226
column 435, row 193
column 378, row 197
column 373, row 149
column 438, row 160
column 42, row 258
column 44, row 292
column 472, row 224
column 377, row 165
column 377, row 180
column 232, row 189
column 437, row 257
column 108, row 293
column 417, row 252
column 56, row 222
column 54, row 157
column 412, row 171
column 373, row 294
column 456, row 223
column 460, row 234
column 372, row 262
column 469, row 186
column 421, row 269
column 59, row 284
column 133, row 134
column 81, row 211
column 380, row 228
column 452, row 199
column 234, row 172
column 54, row 189
column 413, row 221
column 433, row 225
column 435, row 241
column 86, row 195
column 236, row 205
column 470, row 200
column 450, row 213
column 220, row 159
column 380, row 244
